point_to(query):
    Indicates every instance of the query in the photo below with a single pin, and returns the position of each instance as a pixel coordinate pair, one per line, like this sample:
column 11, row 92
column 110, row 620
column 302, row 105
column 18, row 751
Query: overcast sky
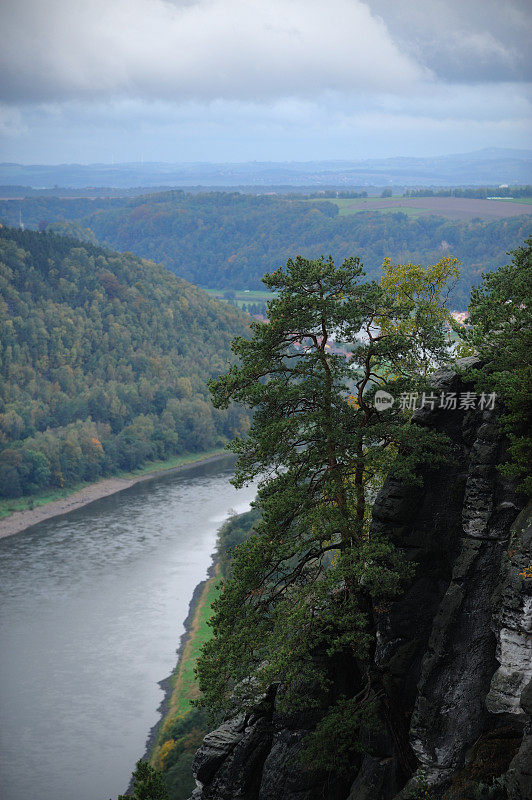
column 240, row 80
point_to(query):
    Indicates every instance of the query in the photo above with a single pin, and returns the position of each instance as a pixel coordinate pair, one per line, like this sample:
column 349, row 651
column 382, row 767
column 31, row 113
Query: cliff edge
column 455, row 649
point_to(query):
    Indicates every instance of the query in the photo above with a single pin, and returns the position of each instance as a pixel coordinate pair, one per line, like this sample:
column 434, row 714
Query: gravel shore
column 20, row 520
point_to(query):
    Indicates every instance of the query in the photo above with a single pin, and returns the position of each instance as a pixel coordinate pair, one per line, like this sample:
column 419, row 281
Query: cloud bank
column 182, row 80
column 210, row 49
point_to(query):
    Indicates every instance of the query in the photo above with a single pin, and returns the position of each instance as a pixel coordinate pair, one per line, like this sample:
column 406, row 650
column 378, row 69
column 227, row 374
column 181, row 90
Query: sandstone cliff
column 455, row 649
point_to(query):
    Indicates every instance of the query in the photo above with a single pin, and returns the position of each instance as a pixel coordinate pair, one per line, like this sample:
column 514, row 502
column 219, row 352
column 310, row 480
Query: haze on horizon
column 264, row 80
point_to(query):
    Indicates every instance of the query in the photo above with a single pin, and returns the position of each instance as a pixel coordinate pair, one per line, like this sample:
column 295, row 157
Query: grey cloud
column 446, row 120
column 256, row 79
column 463, row 40
column 231, row 49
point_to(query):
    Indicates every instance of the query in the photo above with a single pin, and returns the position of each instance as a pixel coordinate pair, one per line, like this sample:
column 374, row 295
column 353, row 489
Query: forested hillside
column 35, row 212
column 104, row 363
column 229, row 240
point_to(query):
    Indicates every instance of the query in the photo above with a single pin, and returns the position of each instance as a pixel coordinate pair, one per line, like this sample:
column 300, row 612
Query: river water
column 92, row 607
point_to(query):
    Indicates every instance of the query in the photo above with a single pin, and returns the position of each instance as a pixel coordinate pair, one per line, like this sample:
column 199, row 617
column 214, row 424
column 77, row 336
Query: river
column 92, row 607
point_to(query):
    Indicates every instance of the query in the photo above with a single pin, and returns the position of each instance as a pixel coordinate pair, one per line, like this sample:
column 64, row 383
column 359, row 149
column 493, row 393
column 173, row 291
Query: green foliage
column 73, row 229
column 236, row 530
column 341, row 734
column 179, row 778
column 181, row 741
column 305, row 581
column 423, row 292
column 228, row 240
column 501, row 333
column 104, row 363
column 148, row 784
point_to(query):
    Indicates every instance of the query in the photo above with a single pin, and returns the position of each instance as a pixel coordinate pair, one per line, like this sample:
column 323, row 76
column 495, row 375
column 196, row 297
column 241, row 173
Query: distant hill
column 229, row 240
column 104, row 363
column 492, row 165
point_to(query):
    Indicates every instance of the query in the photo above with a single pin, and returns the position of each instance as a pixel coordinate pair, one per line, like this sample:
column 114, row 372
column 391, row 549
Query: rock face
column 512, row 623
column 231, row 758
column 510, row 694
column 455, row 649
column 519, row 776
column 460, row 659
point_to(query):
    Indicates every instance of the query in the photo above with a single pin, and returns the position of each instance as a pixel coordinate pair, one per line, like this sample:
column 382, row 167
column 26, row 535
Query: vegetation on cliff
column 500, row 331
column 148, row 784
column 308, row 578
column 104, row 363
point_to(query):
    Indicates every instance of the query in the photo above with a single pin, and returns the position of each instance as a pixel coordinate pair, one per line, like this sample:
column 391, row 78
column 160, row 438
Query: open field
column 450, row 207
column 184, row 684
column 242, row 296
column 184, row 688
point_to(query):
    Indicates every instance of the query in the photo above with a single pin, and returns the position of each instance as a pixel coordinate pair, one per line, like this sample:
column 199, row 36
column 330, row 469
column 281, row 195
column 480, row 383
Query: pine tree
column 320, row 445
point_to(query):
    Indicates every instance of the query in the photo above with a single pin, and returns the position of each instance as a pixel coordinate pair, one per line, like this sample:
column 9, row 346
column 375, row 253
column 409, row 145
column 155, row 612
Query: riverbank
column 172, row 743
column 181, row 687
column 51, row 506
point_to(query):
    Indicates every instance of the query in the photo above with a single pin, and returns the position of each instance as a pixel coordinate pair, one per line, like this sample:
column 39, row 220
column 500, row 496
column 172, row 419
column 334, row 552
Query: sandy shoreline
column 18, row 521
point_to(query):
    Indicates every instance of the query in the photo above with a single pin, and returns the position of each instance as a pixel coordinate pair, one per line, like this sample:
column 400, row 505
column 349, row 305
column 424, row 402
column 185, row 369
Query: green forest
column 227, row 240
column 104, row 363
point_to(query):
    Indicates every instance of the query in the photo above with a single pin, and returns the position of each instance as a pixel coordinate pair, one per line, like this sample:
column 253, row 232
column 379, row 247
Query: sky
column 261, row 80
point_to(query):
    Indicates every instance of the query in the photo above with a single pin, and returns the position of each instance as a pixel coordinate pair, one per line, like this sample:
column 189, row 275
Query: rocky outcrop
column 257, row 755
column 231, row 759
column 454, row 650
column 512, row 622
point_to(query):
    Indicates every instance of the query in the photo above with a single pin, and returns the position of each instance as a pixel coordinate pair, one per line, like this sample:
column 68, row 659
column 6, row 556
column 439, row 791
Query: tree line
column 480, row 192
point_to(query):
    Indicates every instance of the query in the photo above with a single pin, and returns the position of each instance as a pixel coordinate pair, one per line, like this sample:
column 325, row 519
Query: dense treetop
column 104, row 362
column 229, row 240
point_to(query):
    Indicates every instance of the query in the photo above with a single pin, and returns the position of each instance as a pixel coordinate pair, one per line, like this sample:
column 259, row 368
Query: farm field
column 450, row 207
column 240, row 296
